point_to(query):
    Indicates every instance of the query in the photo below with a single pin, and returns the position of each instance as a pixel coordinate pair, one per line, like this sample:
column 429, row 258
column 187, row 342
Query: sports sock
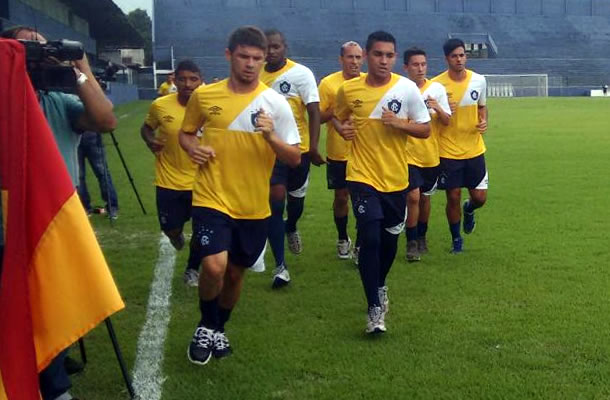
column 223, row 316
column 209, row 313
column 411, row 233
column 422, row 229
column 294, row 210
column 469, row 207
column 387, row 254
column 194, row 260
column 369, row 260
column 341, row 223
column 276, row 231
column 455, row 230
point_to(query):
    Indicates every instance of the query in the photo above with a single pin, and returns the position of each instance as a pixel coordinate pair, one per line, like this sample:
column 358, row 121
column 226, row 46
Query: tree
column 140, row 20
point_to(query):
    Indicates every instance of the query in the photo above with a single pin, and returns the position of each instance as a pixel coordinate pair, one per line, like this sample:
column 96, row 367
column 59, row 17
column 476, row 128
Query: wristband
column 82, row 78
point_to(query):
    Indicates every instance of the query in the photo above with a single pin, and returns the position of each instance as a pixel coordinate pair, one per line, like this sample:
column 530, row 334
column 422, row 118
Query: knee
column 212, row 272
column 454, row 196
column 413, row 198
column 341, row 199
column 479, row 197
column 369, row 234
column 234, row 275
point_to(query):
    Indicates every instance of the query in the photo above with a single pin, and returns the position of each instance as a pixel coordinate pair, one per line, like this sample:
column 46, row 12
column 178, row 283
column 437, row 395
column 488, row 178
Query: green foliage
column 141, row 21
column 521, row 314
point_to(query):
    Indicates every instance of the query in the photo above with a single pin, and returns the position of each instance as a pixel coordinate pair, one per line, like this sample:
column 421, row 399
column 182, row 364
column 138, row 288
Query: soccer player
column 350, row 58
column 174, row 170
column 247, row 126
column 461, row 145
column 169, row 86
column 422, row 154
column 378, row 112
column 297, row 84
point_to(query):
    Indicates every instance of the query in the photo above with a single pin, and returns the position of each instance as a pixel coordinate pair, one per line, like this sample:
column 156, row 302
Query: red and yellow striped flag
column 55, row 284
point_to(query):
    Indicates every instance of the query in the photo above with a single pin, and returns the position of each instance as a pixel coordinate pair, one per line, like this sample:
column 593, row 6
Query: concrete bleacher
column 566, row 39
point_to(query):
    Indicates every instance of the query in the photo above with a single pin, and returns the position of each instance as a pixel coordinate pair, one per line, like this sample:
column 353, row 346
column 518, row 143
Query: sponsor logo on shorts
column 285, row 87
column 361, row 209
column 205, row 236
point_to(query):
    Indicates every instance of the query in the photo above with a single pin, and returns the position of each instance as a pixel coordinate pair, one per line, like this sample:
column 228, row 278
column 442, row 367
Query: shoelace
column 220, row 341
column 204, row 337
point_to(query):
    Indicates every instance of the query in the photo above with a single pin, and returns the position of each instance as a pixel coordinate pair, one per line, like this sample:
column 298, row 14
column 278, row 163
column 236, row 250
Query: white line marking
column 124, row 116
column 148, row 375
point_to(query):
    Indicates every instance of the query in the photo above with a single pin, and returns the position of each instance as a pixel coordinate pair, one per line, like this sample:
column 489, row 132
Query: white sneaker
column 344, row 249
column 191, row 278
column 384, row 300
column 295, row 245
column 375, row 323
column 281, row 277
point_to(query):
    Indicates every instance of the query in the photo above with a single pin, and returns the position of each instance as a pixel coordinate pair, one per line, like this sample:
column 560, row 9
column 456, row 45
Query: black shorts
column 173, row 208
column 370, row 204
column 426, row 179
column 294, row 179
column 470, row 173
column 335, row 174
column 215, row 232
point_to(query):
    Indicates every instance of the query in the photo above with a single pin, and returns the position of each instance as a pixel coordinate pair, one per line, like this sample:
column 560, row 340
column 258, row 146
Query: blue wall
column 568, row 39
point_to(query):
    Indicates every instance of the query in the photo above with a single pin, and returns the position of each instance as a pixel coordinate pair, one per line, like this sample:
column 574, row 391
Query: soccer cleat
column 384, row 300
column 412, row 251
column 356, row 254
column 222, row 348
column 281, row 277
column 422, row 245
column 456, row 245
column 294, row 242
column 191, row 278
column 469, row 222
column 375, row 322
column 201, row 347
column 343, row 249
column 177, row 242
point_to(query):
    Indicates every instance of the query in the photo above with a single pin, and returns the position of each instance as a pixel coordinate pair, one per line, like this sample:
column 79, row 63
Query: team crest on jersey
column 394, row 106
column 285, row 87
column 474, row 95
column 426, row 102
column 215, row 110
column 357, row 103
column 168, row 118
column 254, row 117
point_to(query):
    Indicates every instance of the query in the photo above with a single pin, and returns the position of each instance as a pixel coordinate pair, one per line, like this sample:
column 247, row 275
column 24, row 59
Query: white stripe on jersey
column 405, row 100
column 298, row 81
column 476, row 93
column 438, row 93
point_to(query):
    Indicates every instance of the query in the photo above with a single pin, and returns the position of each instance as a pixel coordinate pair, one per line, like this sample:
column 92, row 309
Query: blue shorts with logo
column 294, row 179
column 369, row 204
column 335, row 174
column 426, row 179
column 173, row 208
column 470, row 173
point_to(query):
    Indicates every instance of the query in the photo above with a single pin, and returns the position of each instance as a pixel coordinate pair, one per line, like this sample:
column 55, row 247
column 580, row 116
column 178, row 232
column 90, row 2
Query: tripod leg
column 100, row 144
column 133, row 185
column 119, row 356
column 83, row 352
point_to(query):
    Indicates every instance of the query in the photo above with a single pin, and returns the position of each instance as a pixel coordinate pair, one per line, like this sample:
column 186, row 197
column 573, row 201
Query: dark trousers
column 91, row 148
column 54, row 380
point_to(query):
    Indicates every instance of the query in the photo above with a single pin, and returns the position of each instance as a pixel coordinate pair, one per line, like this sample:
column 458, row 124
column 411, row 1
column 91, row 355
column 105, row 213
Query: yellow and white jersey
column 173, row 167
column 297, row 84
column 378, row 155
column 167, row 88
column 461, row 139
column 236, row 180
column 336, row 146
column 424, row 152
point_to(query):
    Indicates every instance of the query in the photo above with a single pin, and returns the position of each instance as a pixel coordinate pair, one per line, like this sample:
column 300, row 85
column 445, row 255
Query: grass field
column 523, row 313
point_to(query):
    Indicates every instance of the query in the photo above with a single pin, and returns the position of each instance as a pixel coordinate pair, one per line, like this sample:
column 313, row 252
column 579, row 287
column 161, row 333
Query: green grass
column 521, row 314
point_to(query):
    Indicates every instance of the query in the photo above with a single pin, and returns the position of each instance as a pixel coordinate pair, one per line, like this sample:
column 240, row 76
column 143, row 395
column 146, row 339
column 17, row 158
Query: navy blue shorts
column 296, row 179
column 426, row 179
column 173, row 208
column 470, row 173
column 369, row 204
column 335, row 174
column 215, row 232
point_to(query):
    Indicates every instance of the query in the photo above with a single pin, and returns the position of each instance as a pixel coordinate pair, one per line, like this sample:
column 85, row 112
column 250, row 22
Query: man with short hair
column 169, row 86
column 422, row 154
column 461, row 145
column 247, row 126
column 378, row 112
column 350, row 58
column 174, row 170
column 298, row 85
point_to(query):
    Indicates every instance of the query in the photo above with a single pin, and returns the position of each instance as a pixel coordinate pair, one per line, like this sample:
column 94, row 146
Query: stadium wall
column 567, row 39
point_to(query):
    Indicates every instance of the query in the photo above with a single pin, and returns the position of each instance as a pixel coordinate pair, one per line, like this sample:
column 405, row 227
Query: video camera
column 44, row 66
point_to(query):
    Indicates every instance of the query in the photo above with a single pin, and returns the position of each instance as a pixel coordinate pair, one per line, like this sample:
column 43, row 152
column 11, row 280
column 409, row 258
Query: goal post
column 518, row 85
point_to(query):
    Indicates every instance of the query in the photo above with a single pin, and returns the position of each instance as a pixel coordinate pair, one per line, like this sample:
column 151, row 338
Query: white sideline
column 148, row 375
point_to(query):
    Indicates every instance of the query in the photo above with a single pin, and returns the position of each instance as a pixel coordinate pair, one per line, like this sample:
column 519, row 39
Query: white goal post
column 518, row 85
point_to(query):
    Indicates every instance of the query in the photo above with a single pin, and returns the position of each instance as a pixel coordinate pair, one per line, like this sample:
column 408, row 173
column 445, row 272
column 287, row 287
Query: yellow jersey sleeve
column 327, row 95
column 193, row 117
column 152, row 118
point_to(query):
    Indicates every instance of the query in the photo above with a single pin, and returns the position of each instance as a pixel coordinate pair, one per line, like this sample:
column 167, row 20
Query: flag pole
column 119, row 356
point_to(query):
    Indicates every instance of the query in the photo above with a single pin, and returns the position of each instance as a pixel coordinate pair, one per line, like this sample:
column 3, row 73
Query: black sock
column 341, row 223
column 223, row 316
column 389, row 244
column 277, row 231
column 455, row 230
column 422, row 229
column 469, row 207
column 294, row 210
column 411, row 233
column 368, row 262
column 194, row 258
column 209, row 313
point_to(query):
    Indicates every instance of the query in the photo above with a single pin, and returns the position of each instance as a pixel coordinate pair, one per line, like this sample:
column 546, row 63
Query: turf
column 521, row 314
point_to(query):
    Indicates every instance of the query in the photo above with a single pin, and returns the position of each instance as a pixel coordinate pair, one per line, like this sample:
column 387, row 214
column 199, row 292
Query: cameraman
column 68, row 116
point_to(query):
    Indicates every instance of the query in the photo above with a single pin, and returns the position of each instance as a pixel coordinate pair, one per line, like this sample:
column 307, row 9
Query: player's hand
column 82, row 65
column 389, row 118
column 482, row 126
column 201, row 154
column 155, row 145
column 433, row 104
column 316, row 158
column 453, row 106
column 264, row 124
column 348, row 129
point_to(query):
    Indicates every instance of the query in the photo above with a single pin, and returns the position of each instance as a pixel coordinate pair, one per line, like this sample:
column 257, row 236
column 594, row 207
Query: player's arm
column 415, row 129
column 313, row 112
column 187, row 137
column 325, row 116
column 482, row 125
column 326, row 109
column 286, row 153
column 155, row 145
column 441, row 106
column 343, row 118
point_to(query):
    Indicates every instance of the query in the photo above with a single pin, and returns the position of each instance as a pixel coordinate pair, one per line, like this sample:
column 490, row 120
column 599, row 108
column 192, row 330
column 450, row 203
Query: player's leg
column 431, row 176
column 415, row 182
column 277, row 198
column 183, row 209
column 298, row 180
column 453, row 181
column 476, row 178
column 169, row 215
column 335, row 176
